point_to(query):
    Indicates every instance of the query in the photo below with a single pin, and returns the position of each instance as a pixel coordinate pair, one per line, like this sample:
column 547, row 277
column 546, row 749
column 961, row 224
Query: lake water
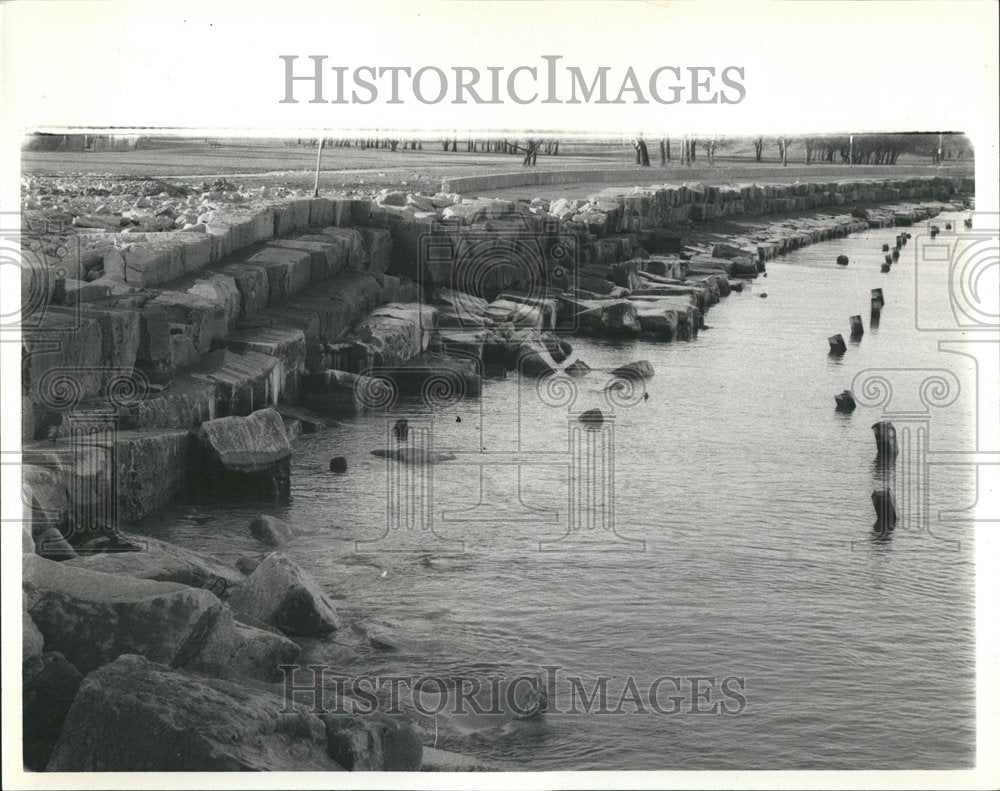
column 742, row 544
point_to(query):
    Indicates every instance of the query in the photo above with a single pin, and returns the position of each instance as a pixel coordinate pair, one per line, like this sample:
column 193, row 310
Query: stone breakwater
column 164, row 364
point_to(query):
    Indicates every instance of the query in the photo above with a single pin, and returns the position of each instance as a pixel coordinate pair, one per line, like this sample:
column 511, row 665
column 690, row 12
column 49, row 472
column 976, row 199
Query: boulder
column 270, row 530
column 610, row 317
column 140, row 716
column 343, row 393
column 163, row 562
column 640, row 369
column 32, row 641
column 91, row 617
column 592, row 417
column 241, row 651
column 50, row 686
column 250, row 454
column 374, row 742
column 282, row 595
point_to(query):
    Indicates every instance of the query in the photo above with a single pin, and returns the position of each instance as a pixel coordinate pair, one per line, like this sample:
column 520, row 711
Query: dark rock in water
column 338, row 464
column 857, row 328
column 934, row 231
column 379, row 634
column 762, row 295
column 885, row 440
column 247, row 455
column 577, row 368
column 895, row 253
column 91, row 617
column 135, row 715
column 837, row 345
column 592, row 417
column 270, row 530
column 885, row 247
column 885, row 509
column 50, row 686
column 375, row 742
column 414, row 455
column 888, row 258
column 886, row 267
column 282, row 595
column 860, row 214
column 968, row 222
column 842, row 260
column 845, row 401
column 401, row 429
column 947, row 226
column 640, row 369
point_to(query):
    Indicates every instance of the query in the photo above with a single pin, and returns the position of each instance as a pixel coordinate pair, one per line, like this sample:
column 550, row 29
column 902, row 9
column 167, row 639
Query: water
column 760, row 562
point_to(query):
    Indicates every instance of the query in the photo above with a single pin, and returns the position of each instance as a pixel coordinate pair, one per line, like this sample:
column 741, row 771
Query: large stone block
column 253, row 285
column 92, row 618
column 209, row 319
column 280, row 594
column 140, row 716
column 288, row 271
column 246, row 454
column 163, row 562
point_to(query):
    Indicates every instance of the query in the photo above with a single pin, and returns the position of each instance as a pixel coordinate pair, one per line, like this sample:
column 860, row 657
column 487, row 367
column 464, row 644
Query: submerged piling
column 885, row 509
column 885, row 440
column 887, row 267
column 845, row 401
column 842, row 260
column 877, row 295
column 837, row 345
column 857, row 328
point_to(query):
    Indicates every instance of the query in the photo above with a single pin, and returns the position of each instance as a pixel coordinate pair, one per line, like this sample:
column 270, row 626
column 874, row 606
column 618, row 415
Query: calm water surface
column 751, row 495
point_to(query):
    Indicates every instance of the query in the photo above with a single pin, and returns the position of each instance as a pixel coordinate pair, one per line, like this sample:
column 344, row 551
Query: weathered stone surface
column 374, row 742
column 137, row 715
column 343, row 393
column 271, row 530
column 236, row 650
column 395, row 333
column 50, row 543
column 91, row 617
column 609, row 317
column 243, row 382
column 288, row 271
column 161, row 561
column 435, row 760
column 247, row 453
column 282, row 595
column 50, row 686
column 32, row 642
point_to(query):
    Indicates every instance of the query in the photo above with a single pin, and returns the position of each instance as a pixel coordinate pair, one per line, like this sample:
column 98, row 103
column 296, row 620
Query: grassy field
column 276, row 163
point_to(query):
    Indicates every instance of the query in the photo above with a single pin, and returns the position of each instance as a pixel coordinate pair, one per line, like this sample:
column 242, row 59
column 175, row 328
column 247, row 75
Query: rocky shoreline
column 199, row 331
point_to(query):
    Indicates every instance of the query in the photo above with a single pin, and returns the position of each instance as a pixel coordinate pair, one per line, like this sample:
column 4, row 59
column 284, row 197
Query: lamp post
column 319, row 159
